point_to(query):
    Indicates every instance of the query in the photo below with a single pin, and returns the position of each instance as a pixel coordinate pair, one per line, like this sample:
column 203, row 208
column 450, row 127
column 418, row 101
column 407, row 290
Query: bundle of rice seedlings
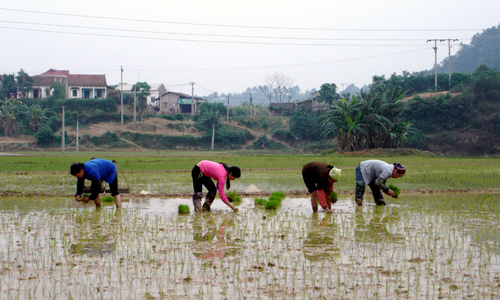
column 259, row 201
column 334, row 196
column 183, row 209
column 107, row 199
column 278, row 195
column 395, row 189
column 233, row 196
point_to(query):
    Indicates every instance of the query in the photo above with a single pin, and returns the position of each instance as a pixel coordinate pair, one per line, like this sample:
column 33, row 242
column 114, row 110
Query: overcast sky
column 226, row 46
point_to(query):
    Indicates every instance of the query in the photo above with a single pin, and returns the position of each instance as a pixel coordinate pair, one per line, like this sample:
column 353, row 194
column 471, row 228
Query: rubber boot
column 197, row 202
column 360, row 190
column 379, row 202
column 208, row 201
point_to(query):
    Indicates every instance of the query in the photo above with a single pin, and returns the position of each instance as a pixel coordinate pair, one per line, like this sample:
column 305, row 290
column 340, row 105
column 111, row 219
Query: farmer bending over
column 319, row 178
column 96, row 170
column 375, row 173
column 203, row 173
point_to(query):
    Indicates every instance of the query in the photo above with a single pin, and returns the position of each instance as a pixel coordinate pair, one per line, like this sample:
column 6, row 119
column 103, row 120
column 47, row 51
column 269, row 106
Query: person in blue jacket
column 96, row 170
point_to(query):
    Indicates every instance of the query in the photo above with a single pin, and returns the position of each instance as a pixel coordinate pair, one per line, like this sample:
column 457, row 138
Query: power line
column 234, row 26
column 212, row 35
column 207, row 41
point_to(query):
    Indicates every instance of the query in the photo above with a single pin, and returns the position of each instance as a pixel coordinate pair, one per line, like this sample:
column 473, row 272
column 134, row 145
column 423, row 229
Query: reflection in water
column 210, row 241
column 97, row 243
column 376, row 230
column 320, row 243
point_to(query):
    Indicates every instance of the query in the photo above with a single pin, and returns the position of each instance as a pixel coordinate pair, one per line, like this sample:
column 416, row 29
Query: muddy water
column 418, row 247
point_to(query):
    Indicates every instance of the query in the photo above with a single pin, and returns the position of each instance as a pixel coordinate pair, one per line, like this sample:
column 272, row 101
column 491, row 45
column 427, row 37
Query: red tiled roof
column 52, row 72
column 87, row 80
column 45, row 80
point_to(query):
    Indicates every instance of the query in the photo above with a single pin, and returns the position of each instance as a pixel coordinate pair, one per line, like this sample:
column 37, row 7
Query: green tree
column 10, row 110
column 24, row 83
column 305, row 125
column 35, row 116
column 486, row 82
column 345, row 117
column 142, row 90
column 9, row 87
column 56, row 91
column 328, row 93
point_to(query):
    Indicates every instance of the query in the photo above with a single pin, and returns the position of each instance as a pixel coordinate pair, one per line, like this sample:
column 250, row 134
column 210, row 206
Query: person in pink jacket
column 203, row 173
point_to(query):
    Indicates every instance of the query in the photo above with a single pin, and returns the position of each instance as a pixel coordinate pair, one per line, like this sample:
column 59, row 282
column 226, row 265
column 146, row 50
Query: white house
column 83, row 86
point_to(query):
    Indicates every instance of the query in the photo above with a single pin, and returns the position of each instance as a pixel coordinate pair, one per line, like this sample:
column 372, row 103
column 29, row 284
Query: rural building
column 312, row 103
column 156, row 90
column 83, row 86
column 281, row 109
column 173, row 103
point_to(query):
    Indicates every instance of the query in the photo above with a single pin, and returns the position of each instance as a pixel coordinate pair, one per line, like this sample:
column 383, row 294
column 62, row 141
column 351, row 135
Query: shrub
column 268, row 144
column 284, row 135
column 45, row 136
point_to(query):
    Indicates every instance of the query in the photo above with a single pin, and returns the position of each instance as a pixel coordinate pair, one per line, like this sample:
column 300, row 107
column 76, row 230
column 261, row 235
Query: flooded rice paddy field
column 427, row 246
column 175, row 182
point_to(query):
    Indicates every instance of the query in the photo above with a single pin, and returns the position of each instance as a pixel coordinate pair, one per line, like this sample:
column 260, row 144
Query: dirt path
column 259, row 134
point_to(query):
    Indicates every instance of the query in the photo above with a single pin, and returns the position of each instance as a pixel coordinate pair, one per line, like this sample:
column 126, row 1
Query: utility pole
column 449, row 61
column 63, row 131
column 122, row 93
column 77, row 133
column 227, row 114
column 435, row 63
column 251, row 107
column 135, row 101
column 192, row 98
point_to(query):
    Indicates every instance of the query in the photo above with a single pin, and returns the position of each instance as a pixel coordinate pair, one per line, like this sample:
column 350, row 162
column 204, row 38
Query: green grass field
column 169, row 172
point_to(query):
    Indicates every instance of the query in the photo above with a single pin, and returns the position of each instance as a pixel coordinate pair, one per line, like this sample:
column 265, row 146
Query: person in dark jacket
column 319, row 178
column 96, row 170
column 375, row 173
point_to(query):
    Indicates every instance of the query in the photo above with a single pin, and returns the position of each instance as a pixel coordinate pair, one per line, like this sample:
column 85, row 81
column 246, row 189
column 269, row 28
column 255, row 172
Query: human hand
column 328, row 211
column 235, row 209
column 230, row 199
column 85, row 200
column 77, row 198
column 391, row 193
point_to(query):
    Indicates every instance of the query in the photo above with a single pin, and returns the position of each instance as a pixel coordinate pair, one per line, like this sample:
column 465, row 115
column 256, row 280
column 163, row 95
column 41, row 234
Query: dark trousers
column 200, row 180
column 96, row 187
column 360, row 187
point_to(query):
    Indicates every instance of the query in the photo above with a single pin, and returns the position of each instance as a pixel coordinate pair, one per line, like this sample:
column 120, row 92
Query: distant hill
column 484, row 48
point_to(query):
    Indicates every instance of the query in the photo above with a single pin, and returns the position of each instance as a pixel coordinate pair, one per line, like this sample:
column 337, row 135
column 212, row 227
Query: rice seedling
column 183, row 209
column 260, row 201
column 395, row 189
column 234, row 197
column 107, row 199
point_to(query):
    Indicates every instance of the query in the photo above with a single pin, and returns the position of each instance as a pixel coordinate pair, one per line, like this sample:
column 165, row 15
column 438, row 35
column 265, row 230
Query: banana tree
column 10, row 110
